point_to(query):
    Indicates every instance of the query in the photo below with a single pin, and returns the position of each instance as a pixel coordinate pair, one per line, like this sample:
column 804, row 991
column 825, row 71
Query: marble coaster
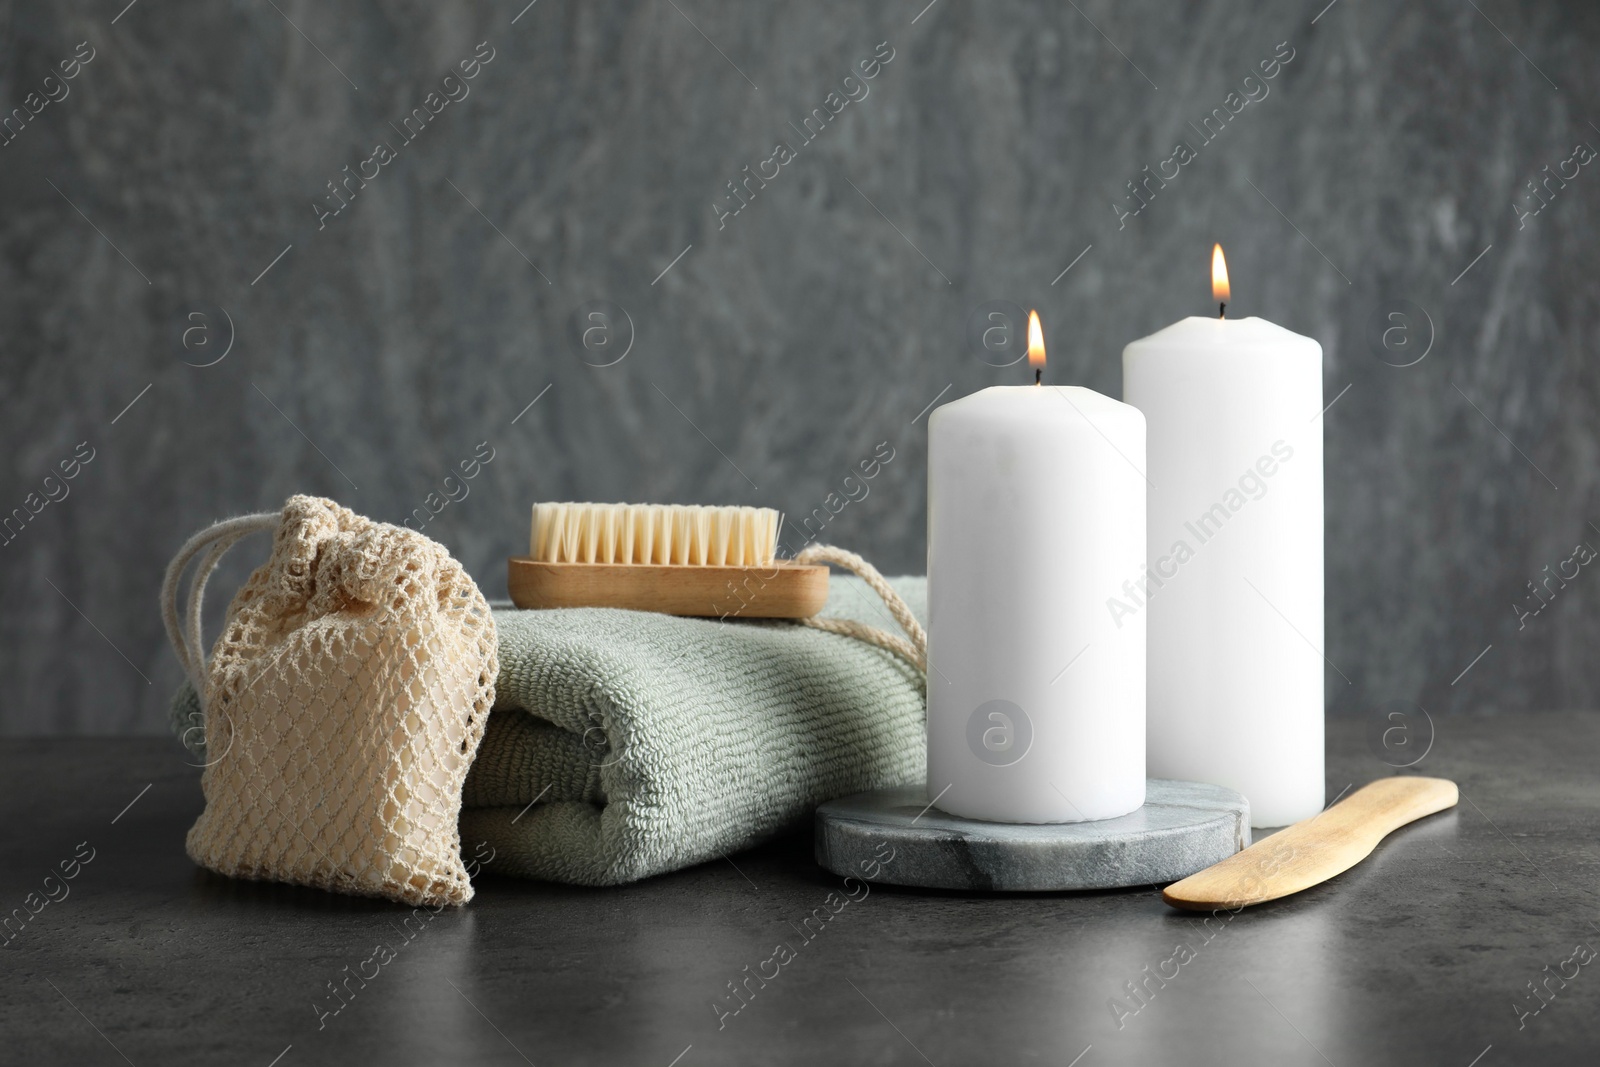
column 1183, row 827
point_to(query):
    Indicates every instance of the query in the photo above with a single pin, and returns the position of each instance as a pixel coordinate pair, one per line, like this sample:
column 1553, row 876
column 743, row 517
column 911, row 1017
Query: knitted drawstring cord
column 913, row 651
column 184, row 632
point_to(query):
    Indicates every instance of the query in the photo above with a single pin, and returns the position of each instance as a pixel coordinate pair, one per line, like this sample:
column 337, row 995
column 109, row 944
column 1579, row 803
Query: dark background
column 823, row 319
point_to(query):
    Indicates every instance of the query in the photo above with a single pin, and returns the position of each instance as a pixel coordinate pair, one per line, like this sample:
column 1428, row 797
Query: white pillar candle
column 1233, row 589
column 1036, row 514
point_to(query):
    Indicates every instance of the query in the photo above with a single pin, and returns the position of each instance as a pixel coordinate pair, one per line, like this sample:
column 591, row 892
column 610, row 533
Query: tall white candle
column 1234, row 585
column 1036, row 514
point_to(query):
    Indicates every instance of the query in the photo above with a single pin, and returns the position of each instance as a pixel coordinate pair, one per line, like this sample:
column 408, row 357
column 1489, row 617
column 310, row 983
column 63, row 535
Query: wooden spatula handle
column 1315, row 849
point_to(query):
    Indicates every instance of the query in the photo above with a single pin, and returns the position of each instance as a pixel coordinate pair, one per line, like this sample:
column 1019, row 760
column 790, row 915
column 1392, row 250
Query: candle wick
column 1038, row 376
column 1222, row 311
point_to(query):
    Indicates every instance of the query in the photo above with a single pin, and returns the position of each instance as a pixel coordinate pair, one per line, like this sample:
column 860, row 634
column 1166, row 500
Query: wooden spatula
column 1315, row 849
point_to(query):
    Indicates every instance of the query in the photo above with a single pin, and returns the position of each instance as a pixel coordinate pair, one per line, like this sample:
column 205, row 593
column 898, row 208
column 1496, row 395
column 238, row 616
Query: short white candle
column 1234, row 587
column 1036, row 514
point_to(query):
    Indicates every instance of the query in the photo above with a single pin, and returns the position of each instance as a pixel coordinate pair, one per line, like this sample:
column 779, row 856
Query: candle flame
column 1035, row 340
column 1219, row 275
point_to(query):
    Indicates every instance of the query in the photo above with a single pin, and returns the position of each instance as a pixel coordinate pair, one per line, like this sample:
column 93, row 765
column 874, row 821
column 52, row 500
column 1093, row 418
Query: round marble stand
column 894, row 836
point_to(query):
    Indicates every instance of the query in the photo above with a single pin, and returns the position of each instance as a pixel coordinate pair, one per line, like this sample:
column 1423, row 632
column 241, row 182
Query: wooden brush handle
column 1315, row 849
column 782, row 590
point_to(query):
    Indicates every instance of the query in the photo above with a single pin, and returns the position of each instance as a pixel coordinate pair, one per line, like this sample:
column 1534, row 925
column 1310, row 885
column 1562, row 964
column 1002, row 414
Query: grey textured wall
column 791, row 338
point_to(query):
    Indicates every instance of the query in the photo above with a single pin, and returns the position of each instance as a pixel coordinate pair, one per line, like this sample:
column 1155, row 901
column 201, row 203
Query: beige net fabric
column 344, row 703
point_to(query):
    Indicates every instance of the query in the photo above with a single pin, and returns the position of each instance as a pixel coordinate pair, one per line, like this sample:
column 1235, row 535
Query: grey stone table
column 1421, row 955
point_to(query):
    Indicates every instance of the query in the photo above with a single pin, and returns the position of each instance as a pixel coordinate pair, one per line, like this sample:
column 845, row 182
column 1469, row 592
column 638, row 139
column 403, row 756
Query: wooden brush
column 676, row 559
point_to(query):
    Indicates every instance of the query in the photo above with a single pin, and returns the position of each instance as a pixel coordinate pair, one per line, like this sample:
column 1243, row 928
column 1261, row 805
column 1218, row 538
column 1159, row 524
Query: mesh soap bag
column 343, row 704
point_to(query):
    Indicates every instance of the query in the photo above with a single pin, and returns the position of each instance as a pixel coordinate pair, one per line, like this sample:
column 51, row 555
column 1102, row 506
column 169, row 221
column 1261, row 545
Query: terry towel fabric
column 626, row 744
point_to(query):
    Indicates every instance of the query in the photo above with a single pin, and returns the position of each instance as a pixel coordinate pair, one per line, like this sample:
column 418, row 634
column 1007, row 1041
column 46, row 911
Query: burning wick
column 1036, row 347
column 1219, row 281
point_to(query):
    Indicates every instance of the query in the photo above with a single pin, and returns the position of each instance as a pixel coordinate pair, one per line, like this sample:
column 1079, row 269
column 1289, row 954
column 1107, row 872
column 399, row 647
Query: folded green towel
column 626, row 744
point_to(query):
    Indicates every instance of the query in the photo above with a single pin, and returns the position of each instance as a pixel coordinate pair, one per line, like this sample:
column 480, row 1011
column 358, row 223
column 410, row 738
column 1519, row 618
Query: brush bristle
column 681, row 534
